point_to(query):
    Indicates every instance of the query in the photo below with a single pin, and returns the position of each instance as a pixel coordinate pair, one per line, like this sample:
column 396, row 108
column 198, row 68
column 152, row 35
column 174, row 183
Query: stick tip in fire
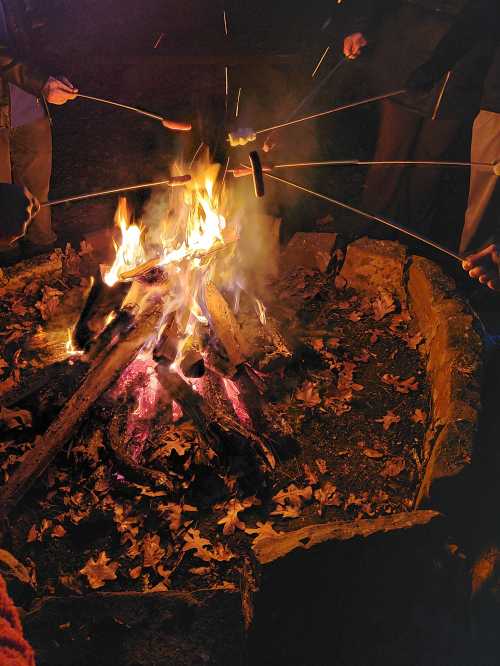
column 242, row 136
column 178, row 181
column 176, row 126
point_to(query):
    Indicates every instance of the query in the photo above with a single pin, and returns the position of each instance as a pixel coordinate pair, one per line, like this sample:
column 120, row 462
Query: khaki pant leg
column 31, row 156
column 482, row 219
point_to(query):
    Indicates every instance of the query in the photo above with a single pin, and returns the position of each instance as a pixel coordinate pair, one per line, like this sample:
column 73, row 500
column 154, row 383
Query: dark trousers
column 26, row 159
column 410, row 193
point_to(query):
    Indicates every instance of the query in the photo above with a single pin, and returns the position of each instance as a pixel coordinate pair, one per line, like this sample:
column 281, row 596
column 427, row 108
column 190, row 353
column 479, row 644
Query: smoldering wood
column 101, row 301
column 102, row 373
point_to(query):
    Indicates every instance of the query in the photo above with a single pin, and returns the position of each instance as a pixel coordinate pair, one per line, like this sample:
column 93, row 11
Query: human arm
column 484, row 266
column 479, row 21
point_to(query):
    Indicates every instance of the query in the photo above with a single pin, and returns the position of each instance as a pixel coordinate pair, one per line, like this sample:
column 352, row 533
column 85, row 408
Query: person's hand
column 353, row 45
column 59, row 90
column 484, row 266
column 17, row 208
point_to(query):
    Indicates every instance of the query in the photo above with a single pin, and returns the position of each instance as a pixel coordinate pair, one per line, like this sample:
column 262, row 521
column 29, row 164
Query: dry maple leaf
column 401, row 385
column 373, row 453
column 308, row 394
column 174, row 514
column 419, row 416
column 152, row 550
column 99, row 571
column 388, row 420
column 194, row 541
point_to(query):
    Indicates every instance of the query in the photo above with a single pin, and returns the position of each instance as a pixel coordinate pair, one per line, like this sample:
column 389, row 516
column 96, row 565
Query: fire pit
column 222, row 416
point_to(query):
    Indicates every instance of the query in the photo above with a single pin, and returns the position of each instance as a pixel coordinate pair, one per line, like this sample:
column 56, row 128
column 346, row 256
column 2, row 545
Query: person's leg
column 31, row 155
column 433, row 143
column 482, row 219
column 396, row 136
column 5, row 170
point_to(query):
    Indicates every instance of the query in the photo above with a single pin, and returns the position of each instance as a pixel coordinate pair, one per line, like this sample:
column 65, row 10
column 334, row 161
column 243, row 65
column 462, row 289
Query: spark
column 236, row 113
column 441, row 95
column 225, row 23
column 316, row 69
column 225, row 170
column 196, row 154
column 158, row 41
column 227, row 80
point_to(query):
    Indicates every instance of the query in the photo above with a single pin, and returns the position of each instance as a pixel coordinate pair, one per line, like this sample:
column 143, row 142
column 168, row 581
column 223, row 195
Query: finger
column 494, row 284
column 176, row 127
column 67, row 82
column 476, row 273
column 348, row 47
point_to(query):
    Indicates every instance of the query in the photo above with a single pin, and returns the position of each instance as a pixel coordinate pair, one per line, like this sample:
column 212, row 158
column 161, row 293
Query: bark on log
column 269, row 548
column 101, row 375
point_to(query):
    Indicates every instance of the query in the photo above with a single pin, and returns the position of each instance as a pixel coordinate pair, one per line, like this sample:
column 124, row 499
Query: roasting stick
column 297, row 165
column 175, row 181
column 369, row 216
column 352, row 105
column 243, row 136
column 170, row 124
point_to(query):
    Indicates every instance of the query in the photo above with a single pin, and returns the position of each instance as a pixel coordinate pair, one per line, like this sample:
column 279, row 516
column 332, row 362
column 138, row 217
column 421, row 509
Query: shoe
column 10, row 257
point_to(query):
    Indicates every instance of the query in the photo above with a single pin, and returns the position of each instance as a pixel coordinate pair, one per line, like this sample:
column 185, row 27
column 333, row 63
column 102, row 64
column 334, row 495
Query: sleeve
column 361, row 15
column 479, row 20
column 22, row 74
column 14, row 649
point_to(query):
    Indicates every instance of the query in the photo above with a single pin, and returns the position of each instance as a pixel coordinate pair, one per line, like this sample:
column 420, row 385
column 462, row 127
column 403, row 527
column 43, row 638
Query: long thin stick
column 441, row 95
column 122, row 106
column 369, row 216
column 316, row 69
column 296, row 165
column 368, row 100
column 118, row 190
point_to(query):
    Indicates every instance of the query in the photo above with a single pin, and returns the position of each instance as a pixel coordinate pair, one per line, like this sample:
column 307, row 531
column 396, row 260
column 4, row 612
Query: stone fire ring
column 453, row 350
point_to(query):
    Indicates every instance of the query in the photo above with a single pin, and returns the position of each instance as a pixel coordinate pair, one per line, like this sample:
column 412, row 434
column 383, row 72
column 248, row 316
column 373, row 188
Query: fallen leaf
column 287, row 511
column 308, row 394
column 310, row 476
column 174, row 514
column 135, row 572
column 373, row 453
column 419, row 416
column 388, row 420
column 15, row 418
column 401, row 385
column 383, row 305
column 262, row 531
column 231, row 520
column 327, row 495
column 32, row 534
column 321, row 465
column 152, row 550
column 194, row 541
column 354, row 316
column 393, row 467
column 222, row 553
column 58, row 532
column 200, row 571
column 293, row 495
column 99, row 571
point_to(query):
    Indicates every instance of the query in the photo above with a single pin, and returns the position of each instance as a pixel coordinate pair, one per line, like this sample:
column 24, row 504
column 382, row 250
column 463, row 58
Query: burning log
column 102, row 301
column 102, row 373
column 225, row 326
